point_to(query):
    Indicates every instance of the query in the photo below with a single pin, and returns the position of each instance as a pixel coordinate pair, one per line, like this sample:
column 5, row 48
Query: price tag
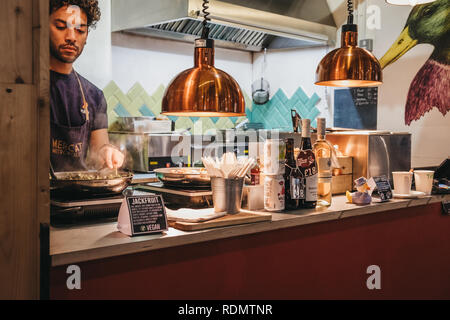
column 384, row 187
column 142, row 214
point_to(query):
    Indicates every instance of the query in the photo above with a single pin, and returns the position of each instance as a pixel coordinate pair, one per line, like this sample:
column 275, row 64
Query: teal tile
column 301, row 95
column 233, row 119
column 215, row 119
column 121, row 111
column 281, row 96
column 313, row 101
column 145, row 111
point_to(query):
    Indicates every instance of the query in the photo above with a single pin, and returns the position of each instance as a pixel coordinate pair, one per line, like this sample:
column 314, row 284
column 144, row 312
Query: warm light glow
column 203, row 114
column 348, row 83
column 408, row 2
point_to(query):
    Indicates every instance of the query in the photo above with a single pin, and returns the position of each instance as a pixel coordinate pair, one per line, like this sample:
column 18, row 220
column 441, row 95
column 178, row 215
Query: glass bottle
column 293, row 179
column 322, row 151
column 306, row 161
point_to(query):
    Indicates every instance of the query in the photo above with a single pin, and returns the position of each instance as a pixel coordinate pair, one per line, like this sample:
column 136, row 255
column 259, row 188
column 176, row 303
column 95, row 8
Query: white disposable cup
column 424, row 180
column 402, row 181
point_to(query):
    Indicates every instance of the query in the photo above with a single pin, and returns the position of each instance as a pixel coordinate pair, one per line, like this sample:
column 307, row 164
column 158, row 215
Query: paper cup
column 424, row 180
column 402, row 181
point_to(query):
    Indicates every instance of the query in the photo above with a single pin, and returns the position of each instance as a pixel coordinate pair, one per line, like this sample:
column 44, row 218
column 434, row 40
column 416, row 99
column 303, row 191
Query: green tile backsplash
column 275, row 114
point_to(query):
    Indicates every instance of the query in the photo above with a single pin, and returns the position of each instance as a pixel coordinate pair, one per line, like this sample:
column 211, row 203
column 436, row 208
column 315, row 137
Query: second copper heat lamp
column 203, row 91
column 349, row 65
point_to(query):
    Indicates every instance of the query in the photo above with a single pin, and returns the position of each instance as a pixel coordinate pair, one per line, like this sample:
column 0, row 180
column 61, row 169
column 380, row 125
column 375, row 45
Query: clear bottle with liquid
column 323, row 152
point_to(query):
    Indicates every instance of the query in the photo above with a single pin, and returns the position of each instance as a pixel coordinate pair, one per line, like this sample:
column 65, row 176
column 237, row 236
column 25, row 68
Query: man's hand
column 102, row 153
column 110, row 157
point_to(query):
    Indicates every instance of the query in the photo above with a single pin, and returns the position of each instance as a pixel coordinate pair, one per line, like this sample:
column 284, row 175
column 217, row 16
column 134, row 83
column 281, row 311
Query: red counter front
column 326, row 260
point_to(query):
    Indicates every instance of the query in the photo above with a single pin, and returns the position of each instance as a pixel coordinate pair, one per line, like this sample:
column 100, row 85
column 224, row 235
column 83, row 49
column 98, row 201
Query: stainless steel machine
column 374, row 153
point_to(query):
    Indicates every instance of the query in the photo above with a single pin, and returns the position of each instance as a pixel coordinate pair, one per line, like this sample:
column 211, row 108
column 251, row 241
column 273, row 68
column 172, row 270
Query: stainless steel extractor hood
column 238, row 24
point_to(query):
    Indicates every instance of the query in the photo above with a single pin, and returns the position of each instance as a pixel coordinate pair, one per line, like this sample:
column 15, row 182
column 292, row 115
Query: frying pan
column 181, row 177
column 68, row 183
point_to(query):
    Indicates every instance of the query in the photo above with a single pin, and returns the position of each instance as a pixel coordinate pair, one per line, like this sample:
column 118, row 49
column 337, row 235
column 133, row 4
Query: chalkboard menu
column 356, row 108
column 384, row 188
column 364, row 96
column 147, row 214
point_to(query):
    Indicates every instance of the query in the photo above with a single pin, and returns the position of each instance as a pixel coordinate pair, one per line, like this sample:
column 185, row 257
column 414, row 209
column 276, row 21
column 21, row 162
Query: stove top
column 176, row 198
column 66, row 203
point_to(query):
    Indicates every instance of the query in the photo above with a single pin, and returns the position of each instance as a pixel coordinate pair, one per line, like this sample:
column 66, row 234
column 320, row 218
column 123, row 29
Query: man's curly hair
column 90, row 7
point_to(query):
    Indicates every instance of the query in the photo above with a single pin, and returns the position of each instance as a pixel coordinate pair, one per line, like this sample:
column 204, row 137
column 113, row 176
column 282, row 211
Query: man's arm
column 103, row 153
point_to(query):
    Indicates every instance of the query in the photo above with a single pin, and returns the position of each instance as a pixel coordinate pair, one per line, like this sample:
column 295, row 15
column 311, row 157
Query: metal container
column 143, row 125
column 148, row 151
column 374, row 153
column 68, row 183
column 183, row 177
column 227, row 194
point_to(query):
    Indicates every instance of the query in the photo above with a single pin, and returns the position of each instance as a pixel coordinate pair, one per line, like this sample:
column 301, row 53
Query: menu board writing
column 147, row 214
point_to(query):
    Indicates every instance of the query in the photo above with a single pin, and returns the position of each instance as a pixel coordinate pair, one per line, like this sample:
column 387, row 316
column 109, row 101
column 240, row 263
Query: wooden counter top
column 91, row 242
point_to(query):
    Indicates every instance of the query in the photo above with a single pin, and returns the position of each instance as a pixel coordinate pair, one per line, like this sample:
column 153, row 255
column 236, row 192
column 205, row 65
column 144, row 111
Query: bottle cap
column 306, row 128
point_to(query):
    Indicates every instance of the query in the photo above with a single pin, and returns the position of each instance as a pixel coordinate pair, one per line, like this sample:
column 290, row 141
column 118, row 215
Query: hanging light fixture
column 349, row 65
column 203, row 91
column 408, row 2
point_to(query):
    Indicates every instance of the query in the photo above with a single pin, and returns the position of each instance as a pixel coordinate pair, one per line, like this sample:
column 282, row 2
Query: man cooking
column 77, row 107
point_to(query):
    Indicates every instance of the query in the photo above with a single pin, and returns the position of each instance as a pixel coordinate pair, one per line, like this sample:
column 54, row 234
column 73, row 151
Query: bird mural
column 430, row 88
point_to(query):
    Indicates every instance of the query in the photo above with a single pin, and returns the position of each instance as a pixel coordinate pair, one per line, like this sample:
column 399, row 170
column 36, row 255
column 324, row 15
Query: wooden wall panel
column 24, row 156
column 18, row 219
column 16, row 41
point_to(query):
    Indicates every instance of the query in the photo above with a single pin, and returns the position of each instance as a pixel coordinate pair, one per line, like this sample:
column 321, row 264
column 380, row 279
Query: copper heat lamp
column 349, row 66
column 203, row 91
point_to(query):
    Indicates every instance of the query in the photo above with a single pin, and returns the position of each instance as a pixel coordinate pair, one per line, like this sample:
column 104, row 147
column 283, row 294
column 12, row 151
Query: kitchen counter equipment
column 148, row 151
column 89, row 183
column 183, row 177
column 374, row 153
column 175, row 198
column 64, row 211
column 143, row 125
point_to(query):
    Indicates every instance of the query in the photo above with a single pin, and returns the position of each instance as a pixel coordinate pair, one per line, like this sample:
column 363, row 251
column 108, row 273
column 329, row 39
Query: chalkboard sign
column 356, row 108
column 384, row 188
column 142, row 214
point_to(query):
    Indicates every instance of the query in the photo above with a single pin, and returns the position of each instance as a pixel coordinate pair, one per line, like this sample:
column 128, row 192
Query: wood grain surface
column 24, row 138
column 227, row 220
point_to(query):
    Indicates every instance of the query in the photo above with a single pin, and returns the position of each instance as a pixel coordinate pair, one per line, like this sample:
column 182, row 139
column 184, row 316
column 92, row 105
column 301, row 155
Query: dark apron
column 69, row 145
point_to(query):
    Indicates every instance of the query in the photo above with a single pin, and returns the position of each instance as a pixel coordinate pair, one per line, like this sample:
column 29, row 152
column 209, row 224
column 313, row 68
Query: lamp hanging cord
column 206, row 18
column 350, row 12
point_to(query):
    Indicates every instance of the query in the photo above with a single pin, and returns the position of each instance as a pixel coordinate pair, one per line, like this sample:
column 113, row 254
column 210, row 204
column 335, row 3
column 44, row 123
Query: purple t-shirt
column 66, row 102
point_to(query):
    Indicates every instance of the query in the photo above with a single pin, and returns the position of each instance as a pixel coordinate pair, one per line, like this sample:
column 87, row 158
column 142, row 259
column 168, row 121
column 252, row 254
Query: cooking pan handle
column 52, row 172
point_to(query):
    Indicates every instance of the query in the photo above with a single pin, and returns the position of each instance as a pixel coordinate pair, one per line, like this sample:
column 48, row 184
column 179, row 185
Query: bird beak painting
column 403, row 43
column 430, row 88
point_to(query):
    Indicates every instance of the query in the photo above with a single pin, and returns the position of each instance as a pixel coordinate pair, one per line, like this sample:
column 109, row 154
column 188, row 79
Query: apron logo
column 61, row 147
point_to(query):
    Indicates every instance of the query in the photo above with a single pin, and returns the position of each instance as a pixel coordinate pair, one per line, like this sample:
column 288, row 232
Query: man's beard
column 56, row 53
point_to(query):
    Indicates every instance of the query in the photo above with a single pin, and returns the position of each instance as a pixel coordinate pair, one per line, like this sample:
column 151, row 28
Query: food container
column 274, row 156
column 274, row 193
